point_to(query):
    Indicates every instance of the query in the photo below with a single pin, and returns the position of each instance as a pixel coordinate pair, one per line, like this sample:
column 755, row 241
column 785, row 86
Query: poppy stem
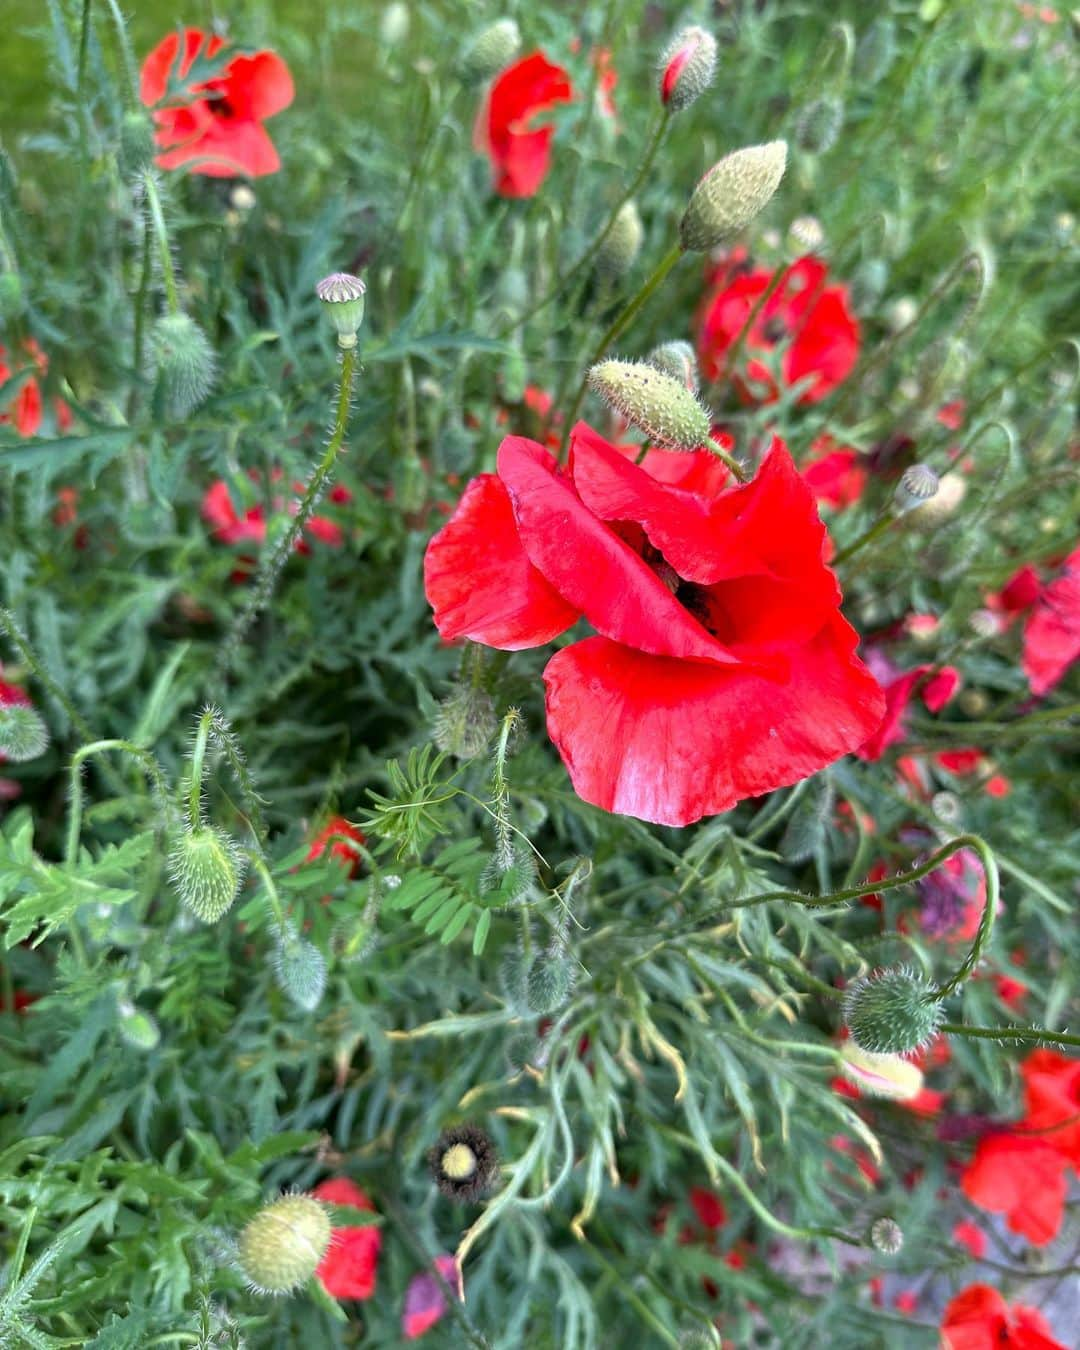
column 1035, row 1034
column 84, row 44
column 878, row 528
column 157, row 216
column 715, row 448
column 127, row 56
column 620, row 323
column 986, row 920
column 9, row 626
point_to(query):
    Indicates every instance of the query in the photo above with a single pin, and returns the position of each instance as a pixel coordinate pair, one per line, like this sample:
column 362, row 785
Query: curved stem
column 714, row 447
column 769, row 1218
column 157, row 216
column 868, row 536
column 986, row 919
column 1036, row 1035
column 147, row 763
column 84, row 43
column 198, row 754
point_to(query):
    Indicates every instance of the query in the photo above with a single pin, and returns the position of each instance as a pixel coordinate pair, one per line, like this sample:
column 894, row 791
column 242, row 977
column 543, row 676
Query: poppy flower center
column 775, row 329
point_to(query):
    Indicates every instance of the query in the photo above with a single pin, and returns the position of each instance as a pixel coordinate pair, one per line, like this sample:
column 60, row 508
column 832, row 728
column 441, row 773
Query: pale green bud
column 491, row 50
column 819, row 123
column 889, row 1012
column 619, row 251
column 206, row 868
column 550, row 979
column 136, row 143
column 662, row 407
column 280, row 1249
column 678, row 360
column 731, row 194
column 300, row 969
column 23, row 733
column 185, row 363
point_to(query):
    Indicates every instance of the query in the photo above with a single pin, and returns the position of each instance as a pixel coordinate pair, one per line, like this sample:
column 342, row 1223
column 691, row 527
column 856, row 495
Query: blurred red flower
column 521, row 155
column 348, row 1269
column 333, row 839
column 425, row 1302
column 229, row 527
column 723, row 667
column 1022, row 1177
column 215, row 126
column 835, row 474
column 27, row 408
column 936, row 688
column 1052, row 632
column 812, row 320
column 978, row 1318
column 971, row 1237
column 1052, row 1098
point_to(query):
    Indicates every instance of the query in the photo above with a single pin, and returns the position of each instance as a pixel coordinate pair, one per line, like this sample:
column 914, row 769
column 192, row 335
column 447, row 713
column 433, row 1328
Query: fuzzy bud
column 464, row 1164
column 342, row 296
column 300, row 969
column 889, row 1076
column 491, row 50
column 206, row 868
column 138, row 1029
column 394, row 24
column 619, row 251
column 663, row 408
column 917, row 485
column 731, row 194
column 886, row 1236
column 283, row 1244
column 678, row 360
column 876, row 51
column 465, row 722
column 868, row 284
column 807, row 234
column 23, row 733
column 136, row 143
column 550, row 979
column 819, row 124
column 185, row 363
column 11, row 295
column 687, row 67
column 890, row 1013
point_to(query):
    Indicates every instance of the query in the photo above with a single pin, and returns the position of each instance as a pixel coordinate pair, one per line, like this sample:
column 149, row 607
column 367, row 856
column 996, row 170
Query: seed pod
column 300, row 969
column 731, row 194
column 465, row 722
column 918, row 483
column 283, row 1244
column 619, row 251
column 889, row 1076
column 678, row 360
column 890, row 1013
column 687, row 67
column 887, row 1236
column 952, row 489
column 551, row 977
column 464, row 1164
column 185, row 363
column 342, row 296
column 819, row 123
column 491, row 50
column 136, row 143
column 206, row 868
column 23, row 733
column 659, row 405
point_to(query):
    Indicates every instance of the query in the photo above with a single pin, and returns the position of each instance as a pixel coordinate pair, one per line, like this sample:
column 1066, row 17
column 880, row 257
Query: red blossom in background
column 812, row 319
column 520, row 152
column 228, row 526
column 217, row 129
column 971, row 1237
column 425, row 1302
column 1021, row 1177
column 333, row 839
column 723, row 668
column 978, row 1318
column 1052, row 1100
column 1052, row 632
column 26, row 410
column 348, row 1269
column 836, row 475
column 935, row 688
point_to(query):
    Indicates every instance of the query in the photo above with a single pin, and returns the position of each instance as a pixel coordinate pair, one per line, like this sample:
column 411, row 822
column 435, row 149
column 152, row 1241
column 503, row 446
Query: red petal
column 225, row 149
column 481, row 584
column 1024, row 1179
column 520, row 157
column 258, row 86
column 1052, row 633
column 975, row 1319
column 671, row 741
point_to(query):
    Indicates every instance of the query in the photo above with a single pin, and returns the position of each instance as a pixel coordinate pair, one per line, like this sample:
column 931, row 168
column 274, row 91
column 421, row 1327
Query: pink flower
column 425, row 1302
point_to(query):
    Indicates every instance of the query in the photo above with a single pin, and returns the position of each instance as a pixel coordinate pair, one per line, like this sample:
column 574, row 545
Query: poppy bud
column 206, row 867
column 662, row 407
column 343, row 299
column 136, row 143
column 868, row 283
column 618, row 253
column 551, row 977
column 185, row 363
column 300, row 969
column 11, row 295
column 687, row 67
column 679, row 360
column 489, row 51
column 464, row 1163
column 731, row 194
column 807, row 233
column 889, row 1076
column 876, row 51
column 23, row 733
column 901, row 313
column 283, row 1244
column 918, row 483
column 242, row 198
column 890, row 1013
column 887, row 1236
column 465, row 722
column 394, row 24
column 137, row 1028
column 819, row 124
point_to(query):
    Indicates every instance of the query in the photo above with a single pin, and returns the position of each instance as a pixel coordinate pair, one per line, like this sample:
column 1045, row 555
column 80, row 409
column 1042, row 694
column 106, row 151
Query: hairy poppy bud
column 678, row 360
column 465, row 722
column 300, row 969
column 11, row 295
column 23, row 733
column 890, row 1013
column 185, row 363
column 917, row 485
column 731, row 194
column 868, row 283
column 136, row 143
column 550, row 979
column 394, row 24
column 819, row 124
column 618, row 253
column 662, row 407
column 342, row 296
column 807, row 233
column 491, row 49
column 687, row 67
column 137, row 1028
column 464, row 1163
column 889, row 1076
column 283, row 1244
column 876, row 51
column 206, row 867
column 887, row 1236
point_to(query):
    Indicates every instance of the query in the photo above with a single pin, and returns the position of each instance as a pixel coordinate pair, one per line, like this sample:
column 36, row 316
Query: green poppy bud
column 300, row 969
column 491, row 50
column 23, row 733
column 465, row 722
column 136, row 151
column 819, row 123
column 283, row 1244
column 206, row 868
column 185, row 363
column 731, row 194
column 549, row 982
column 619, row 251
column 890, row 1013
column 662, row 407
column 678, row 360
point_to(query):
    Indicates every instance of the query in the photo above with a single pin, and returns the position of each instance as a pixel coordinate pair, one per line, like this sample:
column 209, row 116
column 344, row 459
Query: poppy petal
column 224, row 150
column 261, row 85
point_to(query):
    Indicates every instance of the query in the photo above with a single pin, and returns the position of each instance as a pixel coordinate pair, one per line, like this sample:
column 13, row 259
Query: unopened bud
column 663, row 408
column 890, row 1012
column 136, row 143
column 206, row 868
column 687, row 67
column 917, row 485
column 342, row 296
column 901, row 313
column 283, row 1244
column 868, row 284
column 300, row 969
column 887, row 1236
column 394, row 24
column 465, row 722
column 11, row 295
column 242, row 198
column 807, row 233
column 876, row 51
column 185, row 363
column 619, row 251
column 137, row 1028
column 678, row 360
column 819, row 124
column 889, row 1076
column 551, row 977
column 490, row 51
column 731, row 194
column 23, row 733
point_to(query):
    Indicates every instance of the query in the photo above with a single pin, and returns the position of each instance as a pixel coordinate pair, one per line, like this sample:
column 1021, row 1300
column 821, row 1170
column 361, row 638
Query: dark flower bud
column 890, row 1012
column 464, row 1163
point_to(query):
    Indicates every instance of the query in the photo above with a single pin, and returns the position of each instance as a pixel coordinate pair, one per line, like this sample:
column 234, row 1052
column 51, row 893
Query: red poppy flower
column 217, row 129
column 27, row 408
column 936, row 692
column 723, row 668
column 812, row 320
column 1052, row 1097
column 1022, row 1177
column 708, row 1207
column 229, row 527
column 836, row 476
column 970, row 1236
column 333, row 839
column 978, row 1318
column 349, row 1266
column 1019, row 593
column 520, row 154
column 1052, row 632
column 425, row 1302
